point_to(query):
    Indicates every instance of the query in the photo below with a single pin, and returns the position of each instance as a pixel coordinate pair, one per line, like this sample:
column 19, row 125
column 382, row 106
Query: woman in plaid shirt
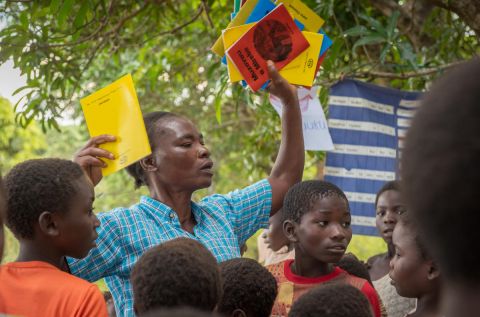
column 179, row 165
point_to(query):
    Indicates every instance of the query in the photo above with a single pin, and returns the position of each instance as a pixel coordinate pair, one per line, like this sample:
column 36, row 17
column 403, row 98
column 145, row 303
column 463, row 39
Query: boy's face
column 275, row 238
column 324, row 232
column 408, row 270
column 389, row 207
column 77, row 225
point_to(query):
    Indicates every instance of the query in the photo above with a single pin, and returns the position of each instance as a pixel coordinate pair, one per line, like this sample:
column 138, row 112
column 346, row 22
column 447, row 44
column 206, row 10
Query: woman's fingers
column 97, row 140
column 95, row 152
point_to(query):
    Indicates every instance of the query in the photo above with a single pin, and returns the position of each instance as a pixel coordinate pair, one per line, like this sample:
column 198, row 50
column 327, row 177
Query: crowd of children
column 428, row 222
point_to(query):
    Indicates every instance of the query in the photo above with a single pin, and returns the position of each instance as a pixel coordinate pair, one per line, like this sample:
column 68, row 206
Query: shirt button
column 172, row 215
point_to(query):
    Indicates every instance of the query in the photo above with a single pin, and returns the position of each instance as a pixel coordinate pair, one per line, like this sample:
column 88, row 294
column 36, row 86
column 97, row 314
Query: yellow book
column 300, row 11
column 302, row 69
column 115, row 110
column 230, row 36
column 239, row 19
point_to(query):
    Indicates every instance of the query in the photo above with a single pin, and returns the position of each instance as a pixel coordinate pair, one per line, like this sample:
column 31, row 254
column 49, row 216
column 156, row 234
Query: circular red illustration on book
column 272, row 40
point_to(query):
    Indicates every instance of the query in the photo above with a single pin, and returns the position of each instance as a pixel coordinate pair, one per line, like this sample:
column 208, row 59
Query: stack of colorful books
column 286, row 32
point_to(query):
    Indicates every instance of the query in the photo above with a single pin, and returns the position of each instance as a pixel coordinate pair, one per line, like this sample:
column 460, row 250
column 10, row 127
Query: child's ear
column 433, row 271
column 48, row 223
column 289, row 230
column 238, row 313
column 148, row 164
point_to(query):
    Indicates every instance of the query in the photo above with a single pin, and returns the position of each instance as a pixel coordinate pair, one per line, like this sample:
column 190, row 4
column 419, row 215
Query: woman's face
column 389, row 207
column 182, row 161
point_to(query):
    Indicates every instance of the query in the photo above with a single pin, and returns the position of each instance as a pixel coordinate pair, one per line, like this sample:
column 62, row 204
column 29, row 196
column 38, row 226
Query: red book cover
column 276, row 37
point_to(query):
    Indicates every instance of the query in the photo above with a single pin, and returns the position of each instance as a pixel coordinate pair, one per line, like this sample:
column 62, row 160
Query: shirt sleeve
column 104, row 259
column 247, row 209
column 93, row 304
column 372, row 297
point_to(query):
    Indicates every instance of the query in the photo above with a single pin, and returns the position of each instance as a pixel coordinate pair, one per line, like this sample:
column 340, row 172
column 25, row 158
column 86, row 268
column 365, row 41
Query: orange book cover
column 276, row 37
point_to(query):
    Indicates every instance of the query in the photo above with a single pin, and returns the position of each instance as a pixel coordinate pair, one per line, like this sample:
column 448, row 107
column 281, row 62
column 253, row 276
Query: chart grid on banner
column 368, row 124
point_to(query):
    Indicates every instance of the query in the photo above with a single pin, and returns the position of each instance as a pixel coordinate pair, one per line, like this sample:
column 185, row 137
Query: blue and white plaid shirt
column 224, row 223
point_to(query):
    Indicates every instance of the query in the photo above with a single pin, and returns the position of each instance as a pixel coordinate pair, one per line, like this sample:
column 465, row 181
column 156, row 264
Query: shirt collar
column 163, row 211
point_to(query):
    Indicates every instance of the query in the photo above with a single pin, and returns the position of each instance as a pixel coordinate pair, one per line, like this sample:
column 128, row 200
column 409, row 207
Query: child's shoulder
column 41, row 273
column 276, row 267
column 353, row 280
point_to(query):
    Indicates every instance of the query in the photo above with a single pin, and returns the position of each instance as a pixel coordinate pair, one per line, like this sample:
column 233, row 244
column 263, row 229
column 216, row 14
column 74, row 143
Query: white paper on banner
column 316, row 135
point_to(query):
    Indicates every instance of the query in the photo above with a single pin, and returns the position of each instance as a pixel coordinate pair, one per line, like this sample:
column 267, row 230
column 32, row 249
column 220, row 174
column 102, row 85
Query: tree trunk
column 467, row 10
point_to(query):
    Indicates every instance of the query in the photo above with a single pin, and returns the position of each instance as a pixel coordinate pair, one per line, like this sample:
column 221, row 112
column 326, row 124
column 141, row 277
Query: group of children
column 47, row 205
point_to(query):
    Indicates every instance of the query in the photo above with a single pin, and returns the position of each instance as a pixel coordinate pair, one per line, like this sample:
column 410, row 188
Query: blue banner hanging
column 368, row 125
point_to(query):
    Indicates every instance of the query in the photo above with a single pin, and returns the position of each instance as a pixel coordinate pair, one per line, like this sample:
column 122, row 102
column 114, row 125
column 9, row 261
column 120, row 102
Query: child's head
column 3, row 204
column 412, row 270
column 275, row 238
column 332, row 300
column 178, row 312
column 354, row 266
column 179, row 272
column 50, row 201
column 249, row 289
column 388, row 206
column 317, row 219
column 441, row 174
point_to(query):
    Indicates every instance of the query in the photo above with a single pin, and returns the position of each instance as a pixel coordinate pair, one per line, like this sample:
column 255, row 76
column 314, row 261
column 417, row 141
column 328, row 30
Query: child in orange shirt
column 316, row 219
column 49, row 210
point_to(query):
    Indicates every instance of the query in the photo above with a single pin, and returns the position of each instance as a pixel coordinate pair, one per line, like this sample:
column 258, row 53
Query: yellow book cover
column 239, row 19
column 115, row 110
column 302, row 70
column 230, row 36
column 300, row 11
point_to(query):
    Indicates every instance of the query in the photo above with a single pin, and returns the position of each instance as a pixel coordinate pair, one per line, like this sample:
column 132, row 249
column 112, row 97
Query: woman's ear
column 148, row 164
column 433, row 271
column 49, row 223
column 289, row 230
column 238, row 313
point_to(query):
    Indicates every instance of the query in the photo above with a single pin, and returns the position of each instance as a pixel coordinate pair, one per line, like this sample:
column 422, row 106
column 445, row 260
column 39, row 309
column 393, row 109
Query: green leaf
column 20, row 89
column 218, row 102
column 367, row 40
column 406, row 52
column 64, row 12
column 358, row 30
column 24, row 19
column 81, row 14
column 384, row 52
column 55, row 5
column 374, row 23
column 392, row 24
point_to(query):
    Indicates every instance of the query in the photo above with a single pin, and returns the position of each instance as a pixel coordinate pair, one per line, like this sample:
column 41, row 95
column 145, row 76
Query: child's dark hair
column 410, row 224
column 391, row 185
column 178, row 312
column 332, row 300
column 248, row 286
column 354, row 266
column 302, row 196
column 35, row 186
column 179, row 272
column 440, row 171
column 135, row 170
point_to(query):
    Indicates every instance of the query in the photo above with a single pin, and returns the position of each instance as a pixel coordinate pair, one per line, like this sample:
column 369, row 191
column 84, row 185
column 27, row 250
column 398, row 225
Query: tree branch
column 406, row 75
column 179, row 27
